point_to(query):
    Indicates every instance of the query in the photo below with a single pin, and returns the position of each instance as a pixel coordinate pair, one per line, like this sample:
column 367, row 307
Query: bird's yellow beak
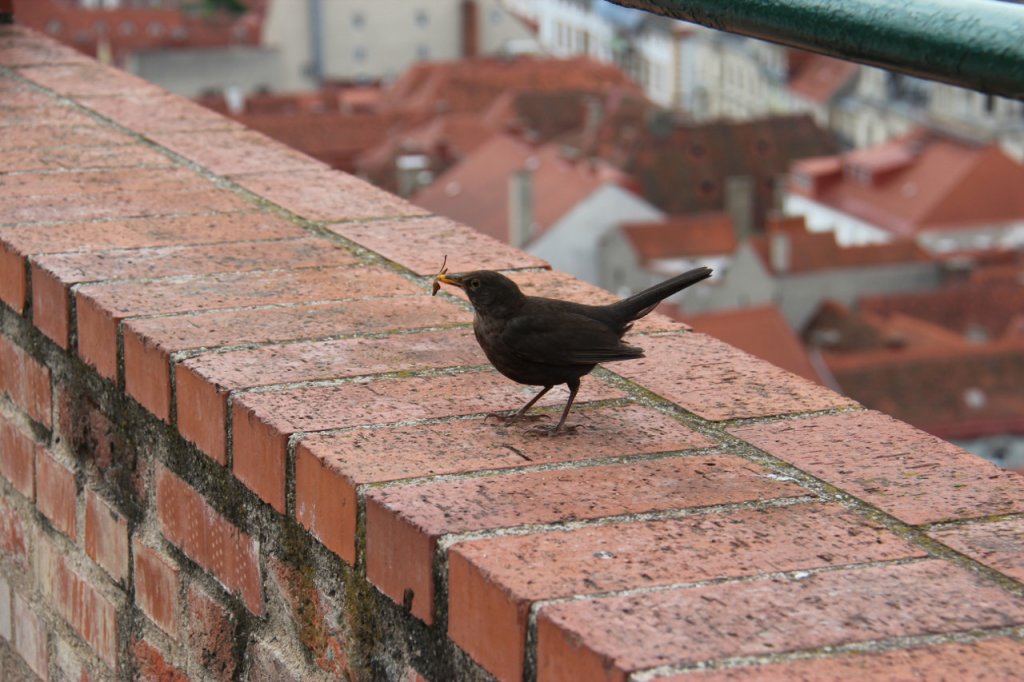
column 454, row 280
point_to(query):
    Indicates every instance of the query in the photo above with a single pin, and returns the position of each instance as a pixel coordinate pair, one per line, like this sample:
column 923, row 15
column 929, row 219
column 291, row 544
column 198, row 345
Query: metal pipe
column 977, row 44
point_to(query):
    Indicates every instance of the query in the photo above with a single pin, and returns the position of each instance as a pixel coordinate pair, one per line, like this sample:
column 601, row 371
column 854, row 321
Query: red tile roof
column 814, row 251
column 819, row 78
column 473, row 84
column 135, row 28
column 916, row 183
column 475, row 191
column 986, row 304
column 762, row 332
column 704, row 234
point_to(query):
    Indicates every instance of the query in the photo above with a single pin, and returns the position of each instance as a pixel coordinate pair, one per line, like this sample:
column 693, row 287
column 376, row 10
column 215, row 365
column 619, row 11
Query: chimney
column 470, row 29
column 520, row 208
column 779, row 252
column 739, row 204
column 6, row 11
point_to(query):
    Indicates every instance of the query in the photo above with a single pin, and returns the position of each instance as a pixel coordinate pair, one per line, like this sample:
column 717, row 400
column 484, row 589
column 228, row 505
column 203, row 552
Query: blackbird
column 546, row 342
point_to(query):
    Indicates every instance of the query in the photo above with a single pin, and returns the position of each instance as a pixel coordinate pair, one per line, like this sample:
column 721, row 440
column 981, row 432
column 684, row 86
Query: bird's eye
column 474, row 284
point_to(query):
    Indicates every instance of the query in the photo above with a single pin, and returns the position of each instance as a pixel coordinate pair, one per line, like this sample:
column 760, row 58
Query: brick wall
column 239, row 440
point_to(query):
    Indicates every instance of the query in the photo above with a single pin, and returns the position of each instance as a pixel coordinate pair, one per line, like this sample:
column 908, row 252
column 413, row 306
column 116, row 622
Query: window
column 359, row 54
column 422, row 18
column 422, row 52
column 358, row 20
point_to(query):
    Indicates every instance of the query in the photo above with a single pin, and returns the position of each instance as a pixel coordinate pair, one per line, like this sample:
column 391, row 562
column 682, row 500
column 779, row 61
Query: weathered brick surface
column 328, row 195
column 492, row 582
column 14, row 534
column 150, row 664
column 717, row 382
column 211, row 634
column 233, row 152
column 421, row 245
column 606, row 639
column 330, row 467
column 997, row 544
column 56, row 494
column 26, row 381
column 156, row 587
column 999, row 658
column 149, row 342
column 404, row 523
column 30, row 637
column 17, row 458
column 106, row 536
column 220, row 547
column 908, row 473
column 77, row 600
column 113, row 193
column 101, row 307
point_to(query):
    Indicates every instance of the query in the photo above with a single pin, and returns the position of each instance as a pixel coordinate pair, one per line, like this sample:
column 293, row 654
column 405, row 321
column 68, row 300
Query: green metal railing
column 977, row 44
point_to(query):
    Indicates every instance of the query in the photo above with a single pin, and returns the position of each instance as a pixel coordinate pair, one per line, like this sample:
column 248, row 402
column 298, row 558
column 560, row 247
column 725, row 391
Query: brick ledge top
column 276, row 313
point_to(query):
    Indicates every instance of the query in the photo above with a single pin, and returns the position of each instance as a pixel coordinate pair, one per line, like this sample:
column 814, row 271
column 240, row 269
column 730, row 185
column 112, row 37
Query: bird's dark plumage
column 546, row 342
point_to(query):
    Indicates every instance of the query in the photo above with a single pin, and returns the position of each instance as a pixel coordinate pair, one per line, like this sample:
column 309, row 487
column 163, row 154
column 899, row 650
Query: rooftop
column 241, row 440
column 919, row 182
column 704, row 234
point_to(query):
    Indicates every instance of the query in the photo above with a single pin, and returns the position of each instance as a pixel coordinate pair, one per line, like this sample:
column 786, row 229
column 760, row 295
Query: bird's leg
column 521, row 413
column 574, row 387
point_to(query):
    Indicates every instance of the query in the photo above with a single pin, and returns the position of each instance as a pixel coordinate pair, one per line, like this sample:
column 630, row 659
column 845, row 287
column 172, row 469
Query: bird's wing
column 565, row 339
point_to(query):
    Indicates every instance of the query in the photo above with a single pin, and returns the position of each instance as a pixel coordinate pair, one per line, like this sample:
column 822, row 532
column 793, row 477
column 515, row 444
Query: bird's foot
column 516, row 417
column 549, row 431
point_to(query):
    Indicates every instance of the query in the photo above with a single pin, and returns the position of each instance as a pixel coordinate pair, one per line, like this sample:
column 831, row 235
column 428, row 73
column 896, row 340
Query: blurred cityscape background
column 866, row 228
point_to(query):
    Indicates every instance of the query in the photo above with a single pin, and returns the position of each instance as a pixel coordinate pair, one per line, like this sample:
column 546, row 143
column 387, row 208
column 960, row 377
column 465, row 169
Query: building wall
column 849, row 231
column 190, row 73
column 572, row 244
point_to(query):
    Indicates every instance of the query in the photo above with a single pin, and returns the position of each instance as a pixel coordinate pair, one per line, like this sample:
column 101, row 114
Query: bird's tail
column 638, row 305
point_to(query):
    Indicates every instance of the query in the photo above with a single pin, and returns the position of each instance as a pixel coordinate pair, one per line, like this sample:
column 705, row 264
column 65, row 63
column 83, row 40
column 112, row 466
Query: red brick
column 717, row 382
column 211, row 634
column 17, row 458
column 148, row 231
column 26, row 381
column 40, row 135
column 47, row 111
column 106, row 536
column 53, row 274
column 118, row 205
column 6, row 623
column 86, row 78
column 330, row 467
column 56, row 492
column 404, row 523
column 78, row 601
column 314, row 626
column 326, row 195
column 391, row 400
column 105, row 183
column 258, row 448
column 993, row 659
column 150, row 664
column 421, row 245
column 231, row 152
column 912, row 475
column 156, row 587
column 156, row 111
column 209, row 539
column 492, row 583
column 12, row 277
column 997, row 544
column 30, row 637
column 607, row 639
column 101, row 307
column 13, row 537
column 81, row 158
column 149, row 342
